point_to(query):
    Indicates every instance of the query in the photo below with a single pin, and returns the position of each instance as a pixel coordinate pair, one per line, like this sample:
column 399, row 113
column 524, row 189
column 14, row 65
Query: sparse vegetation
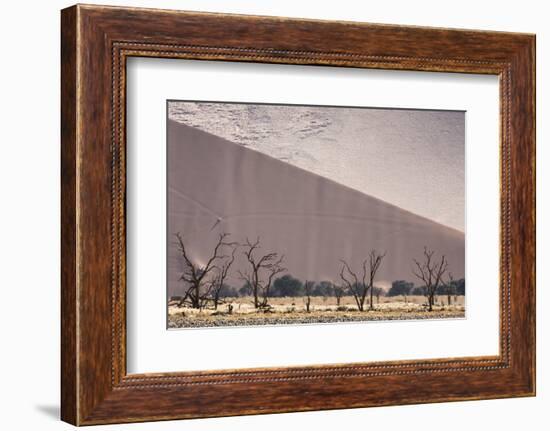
column 271, row 295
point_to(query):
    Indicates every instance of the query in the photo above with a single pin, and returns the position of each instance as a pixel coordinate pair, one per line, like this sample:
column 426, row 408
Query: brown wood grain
column 96, row 41
column 69, row 398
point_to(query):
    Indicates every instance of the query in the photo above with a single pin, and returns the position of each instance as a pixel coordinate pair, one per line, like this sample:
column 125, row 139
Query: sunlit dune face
column 400, row 156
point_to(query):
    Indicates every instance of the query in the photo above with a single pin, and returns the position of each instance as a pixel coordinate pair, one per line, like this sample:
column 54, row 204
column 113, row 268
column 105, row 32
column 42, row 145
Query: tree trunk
column 371, row 303
column 195, row 300
column 256, row 302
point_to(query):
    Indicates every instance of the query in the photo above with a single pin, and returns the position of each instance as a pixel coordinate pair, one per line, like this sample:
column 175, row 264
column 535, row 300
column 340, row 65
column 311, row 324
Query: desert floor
column 322, row 310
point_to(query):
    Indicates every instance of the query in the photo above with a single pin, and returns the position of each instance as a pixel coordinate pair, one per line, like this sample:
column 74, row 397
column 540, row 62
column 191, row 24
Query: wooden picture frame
column 96, row 41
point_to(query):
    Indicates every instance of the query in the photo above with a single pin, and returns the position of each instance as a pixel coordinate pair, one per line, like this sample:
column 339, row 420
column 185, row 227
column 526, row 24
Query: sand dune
column 217, row 186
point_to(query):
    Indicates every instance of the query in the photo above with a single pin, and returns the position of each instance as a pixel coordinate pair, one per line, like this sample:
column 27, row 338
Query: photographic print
column 293, row 214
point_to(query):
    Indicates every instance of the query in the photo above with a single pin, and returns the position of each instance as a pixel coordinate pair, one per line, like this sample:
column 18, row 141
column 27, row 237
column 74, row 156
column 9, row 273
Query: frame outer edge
column 533, row 53
column 528, row 62
column 523, row 216
column 69, row 202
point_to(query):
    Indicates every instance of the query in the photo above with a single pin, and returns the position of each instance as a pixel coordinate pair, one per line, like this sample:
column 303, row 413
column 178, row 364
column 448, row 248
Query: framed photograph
column 267, row 215
column 311, row 214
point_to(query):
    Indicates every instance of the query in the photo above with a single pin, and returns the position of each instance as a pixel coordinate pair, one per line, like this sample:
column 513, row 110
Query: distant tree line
column 289, row 286
column 405, row 288
column 265, row 277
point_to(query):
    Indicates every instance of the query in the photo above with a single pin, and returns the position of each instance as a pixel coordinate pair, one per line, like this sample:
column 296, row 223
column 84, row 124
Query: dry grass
column 322, row 310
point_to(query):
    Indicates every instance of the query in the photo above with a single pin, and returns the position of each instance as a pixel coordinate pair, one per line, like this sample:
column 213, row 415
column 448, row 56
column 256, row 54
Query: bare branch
column 262, row 271
column 200, row 279
column 431, row 273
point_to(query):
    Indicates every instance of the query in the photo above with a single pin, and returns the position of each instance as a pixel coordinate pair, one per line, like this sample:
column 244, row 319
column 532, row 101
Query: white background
column 153, row 349
column 29, row 228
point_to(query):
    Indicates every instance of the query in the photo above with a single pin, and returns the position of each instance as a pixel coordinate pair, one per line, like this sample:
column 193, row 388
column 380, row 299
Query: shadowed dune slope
column 215, row 186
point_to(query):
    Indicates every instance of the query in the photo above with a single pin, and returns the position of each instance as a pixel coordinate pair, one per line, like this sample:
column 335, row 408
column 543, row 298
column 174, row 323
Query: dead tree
column 262, row 270
column 357, row 287
column 221, row 276
column 450, row 289
column 196, row 276
column 338, row 293
column 308, row 286
column 375, row 260
column 360, row 287
column 431, row 272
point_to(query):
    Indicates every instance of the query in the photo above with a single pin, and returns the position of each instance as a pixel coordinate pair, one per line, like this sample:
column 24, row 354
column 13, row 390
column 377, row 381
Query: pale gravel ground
column 179, row 321
column 292, row 311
